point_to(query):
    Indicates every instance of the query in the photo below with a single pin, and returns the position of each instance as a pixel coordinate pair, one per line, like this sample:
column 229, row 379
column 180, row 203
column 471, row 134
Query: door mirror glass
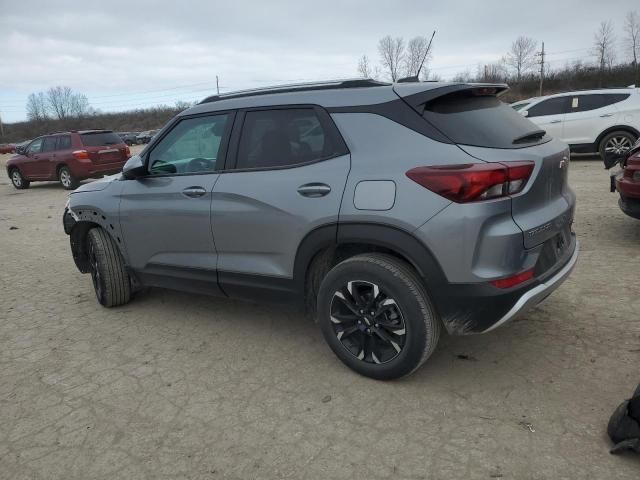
column 134, row 168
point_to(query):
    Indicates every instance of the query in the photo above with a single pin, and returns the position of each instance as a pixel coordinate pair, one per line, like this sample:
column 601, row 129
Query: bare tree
column 463, row 77
column 603, row 43
column 491, row 73
column 632, row 40
column 522, row 56
column 37, row 107
column 364, row 67
column 391, row 55
column 417, row 54
column 65, row 103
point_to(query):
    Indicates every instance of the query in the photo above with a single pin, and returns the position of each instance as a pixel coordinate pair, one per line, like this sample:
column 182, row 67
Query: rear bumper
column 478, row 308
column 537, row 294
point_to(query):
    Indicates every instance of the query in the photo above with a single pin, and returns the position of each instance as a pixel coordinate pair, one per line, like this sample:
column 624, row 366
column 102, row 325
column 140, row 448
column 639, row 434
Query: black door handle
column 314, row 190
column 194, row 192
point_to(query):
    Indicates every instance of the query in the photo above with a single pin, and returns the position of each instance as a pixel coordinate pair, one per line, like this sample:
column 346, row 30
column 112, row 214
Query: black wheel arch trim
column 77, row 228
column 382, row 235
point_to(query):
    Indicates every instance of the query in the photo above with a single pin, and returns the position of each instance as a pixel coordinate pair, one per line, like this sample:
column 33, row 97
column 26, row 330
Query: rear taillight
column 81, row 155
column 474, row 182
column 514, row 280
column 127, row 151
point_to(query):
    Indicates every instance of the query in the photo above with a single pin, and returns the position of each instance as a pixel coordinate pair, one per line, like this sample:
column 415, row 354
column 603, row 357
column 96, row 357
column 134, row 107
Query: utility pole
column 217, row 86
column 541, row 55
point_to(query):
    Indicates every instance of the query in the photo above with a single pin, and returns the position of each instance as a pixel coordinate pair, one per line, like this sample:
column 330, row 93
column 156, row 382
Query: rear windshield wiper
column 535, row 135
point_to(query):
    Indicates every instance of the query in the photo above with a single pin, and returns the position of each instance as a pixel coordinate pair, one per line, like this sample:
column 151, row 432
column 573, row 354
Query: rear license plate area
column 553, row 250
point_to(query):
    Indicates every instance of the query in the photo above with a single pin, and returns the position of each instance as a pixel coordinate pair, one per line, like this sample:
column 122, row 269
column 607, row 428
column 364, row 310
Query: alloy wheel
column 16, row 178
column 618, row 145
column 65, row 178
column 368, row 322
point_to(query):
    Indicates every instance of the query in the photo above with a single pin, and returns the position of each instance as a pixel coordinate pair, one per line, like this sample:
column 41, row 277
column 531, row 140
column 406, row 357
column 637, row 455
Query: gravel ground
column 183, row 386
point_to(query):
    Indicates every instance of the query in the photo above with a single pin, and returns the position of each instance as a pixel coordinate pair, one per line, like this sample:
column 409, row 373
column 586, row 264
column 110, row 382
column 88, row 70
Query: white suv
column 589, row 121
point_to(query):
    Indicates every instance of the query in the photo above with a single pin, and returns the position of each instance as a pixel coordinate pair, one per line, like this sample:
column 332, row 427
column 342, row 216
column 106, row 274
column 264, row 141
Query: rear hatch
column 474, row 118
column 104, row 147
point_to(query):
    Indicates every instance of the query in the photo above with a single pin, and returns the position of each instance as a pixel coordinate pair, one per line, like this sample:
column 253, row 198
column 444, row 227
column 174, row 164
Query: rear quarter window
column 99, row 139
column 479, row 120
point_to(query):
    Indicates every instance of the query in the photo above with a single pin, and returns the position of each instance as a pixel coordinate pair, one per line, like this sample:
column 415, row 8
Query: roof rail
column 298, row 87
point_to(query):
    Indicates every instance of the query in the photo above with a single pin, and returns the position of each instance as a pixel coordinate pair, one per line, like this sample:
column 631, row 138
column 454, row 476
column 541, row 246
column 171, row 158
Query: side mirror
column 134, row 168
column 20, row 150
column 525, row 113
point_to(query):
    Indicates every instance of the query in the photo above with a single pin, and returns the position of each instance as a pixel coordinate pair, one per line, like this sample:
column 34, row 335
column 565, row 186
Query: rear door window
column 480, row 120
column 49, row 144
column 282, row 137
column 64, row 142
column 99, row 139
column 551, row 106
column 584, row 103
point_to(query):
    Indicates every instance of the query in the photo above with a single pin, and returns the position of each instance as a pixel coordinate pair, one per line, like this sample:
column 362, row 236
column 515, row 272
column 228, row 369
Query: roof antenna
column 425, row 55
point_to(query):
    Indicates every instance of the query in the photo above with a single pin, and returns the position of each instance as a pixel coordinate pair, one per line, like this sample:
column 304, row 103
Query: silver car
column 388, row 211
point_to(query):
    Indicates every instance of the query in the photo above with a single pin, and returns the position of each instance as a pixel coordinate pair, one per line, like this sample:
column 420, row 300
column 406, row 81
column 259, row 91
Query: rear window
column 481, row 120
column 98, row 139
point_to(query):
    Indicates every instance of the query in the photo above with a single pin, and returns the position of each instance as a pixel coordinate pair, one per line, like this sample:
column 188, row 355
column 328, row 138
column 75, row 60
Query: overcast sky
column 128, row 54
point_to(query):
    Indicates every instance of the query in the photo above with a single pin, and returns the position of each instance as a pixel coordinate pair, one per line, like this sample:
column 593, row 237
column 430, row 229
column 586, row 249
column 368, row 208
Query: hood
column 97, row 185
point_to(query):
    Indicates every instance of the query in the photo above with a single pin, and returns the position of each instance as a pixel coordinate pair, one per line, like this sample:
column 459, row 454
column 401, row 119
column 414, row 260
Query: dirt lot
column 185, row 386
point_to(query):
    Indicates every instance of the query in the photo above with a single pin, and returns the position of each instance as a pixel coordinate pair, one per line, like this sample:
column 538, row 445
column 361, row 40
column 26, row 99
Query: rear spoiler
column 416, row 94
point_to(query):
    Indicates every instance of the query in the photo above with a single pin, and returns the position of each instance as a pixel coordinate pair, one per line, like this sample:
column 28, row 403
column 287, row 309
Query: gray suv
column 387, row 211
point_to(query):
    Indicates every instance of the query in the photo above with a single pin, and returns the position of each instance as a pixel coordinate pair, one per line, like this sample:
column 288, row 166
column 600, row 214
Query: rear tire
column 617, row 142
column 110, row 279
column 18, row 180
column 399, row 328
column 68, row 181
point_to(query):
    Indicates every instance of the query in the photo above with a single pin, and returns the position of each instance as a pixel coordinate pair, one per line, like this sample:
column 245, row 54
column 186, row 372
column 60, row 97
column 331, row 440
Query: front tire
column 377, row 317
column 68, row 181
column 110, row 279
column 617, row 142
column 18, row 180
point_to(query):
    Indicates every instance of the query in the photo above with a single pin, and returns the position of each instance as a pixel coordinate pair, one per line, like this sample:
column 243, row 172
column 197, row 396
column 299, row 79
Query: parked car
column 605, row 120
column 411, row 207
column 145, row 137
column 68, row 157
column 626, row 181
column 7, row 148
column 130, row 138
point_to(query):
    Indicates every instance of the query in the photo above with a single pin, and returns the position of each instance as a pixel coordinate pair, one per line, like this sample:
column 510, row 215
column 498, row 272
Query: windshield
column 519, row 105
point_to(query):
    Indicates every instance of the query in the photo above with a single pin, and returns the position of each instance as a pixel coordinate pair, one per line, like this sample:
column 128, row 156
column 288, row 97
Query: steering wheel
column 199, row 165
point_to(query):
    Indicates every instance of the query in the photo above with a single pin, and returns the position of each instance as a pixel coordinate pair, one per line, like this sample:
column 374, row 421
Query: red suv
column 68, row 157
column 627, row 183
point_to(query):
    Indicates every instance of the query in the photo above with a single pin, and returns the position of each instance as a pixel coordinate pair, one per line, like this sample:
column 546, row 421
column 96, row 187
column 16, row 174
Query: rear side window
column 584, row 103
column 552, row 106
column 64, row 142
column 484, row 121
column 99, row 139
column 49, row 144
column 284, row 137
